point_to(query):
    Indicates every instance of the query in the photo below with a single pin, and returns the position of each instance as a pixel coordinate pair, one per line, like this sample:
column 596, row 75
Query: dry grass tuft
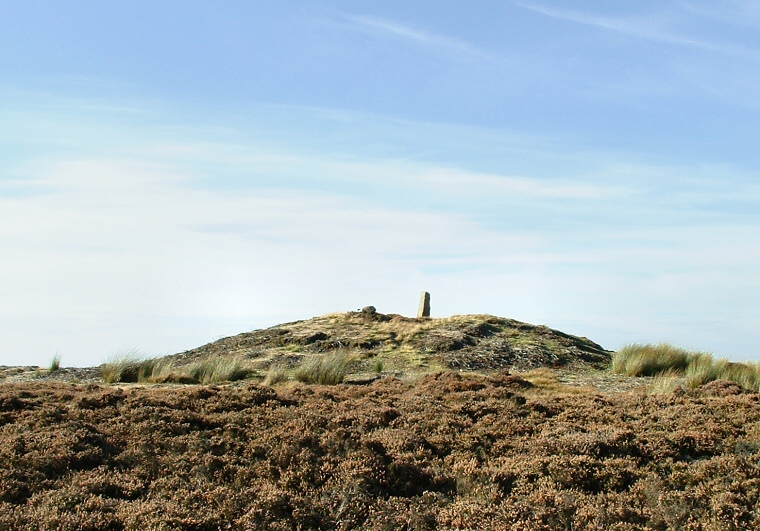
column 330, row 369
column 547, row 380
column 650, row 360
column 668, row 362
column 130, row 368
column 665, row 383
column 746, row 375
column 276, row 374
column 218, row 369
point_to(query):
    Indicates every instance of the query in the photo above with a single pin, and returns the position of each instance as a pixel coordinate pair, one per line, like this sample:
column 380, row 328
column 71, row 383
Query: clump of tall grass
column 330, row 369
column 665, row 383
column 130, row 368
column 649, row 360
column 667, row 362
column 746, row 375
column 55, row 364
column 276, row 374
column 217, row 369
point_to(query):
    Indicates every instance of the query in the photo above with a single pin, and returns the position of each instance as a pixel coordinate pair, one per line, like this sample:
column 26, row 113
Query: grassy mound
column 380, row 343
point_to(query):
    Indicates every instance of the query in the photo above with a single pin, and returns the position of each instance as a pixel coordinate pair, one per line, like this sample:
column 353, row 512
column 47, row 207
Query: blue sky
column 176, row 172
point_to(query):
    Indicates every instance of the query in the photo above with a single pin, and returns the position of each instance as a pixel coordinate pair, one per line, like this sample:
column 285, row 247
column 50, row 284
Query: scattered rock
column 424, row 308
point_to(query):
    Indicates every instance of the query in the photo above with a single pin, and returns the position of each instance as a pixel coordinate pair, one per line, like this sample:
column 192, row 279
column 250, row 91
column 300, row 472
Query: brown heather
column 444, row 452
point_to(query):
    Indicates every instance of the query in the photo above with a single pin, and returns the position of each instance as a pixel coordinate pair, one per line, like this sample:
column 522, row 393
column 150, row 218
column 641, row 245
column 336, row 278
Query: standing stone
column 424, row 309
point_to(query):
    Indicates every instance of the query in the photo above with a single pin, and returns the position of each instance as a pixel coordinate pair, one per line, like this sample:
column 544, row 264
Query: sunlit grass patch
column 665, row 383
column 128, row 368
column 746, row 375
column 276, row 374
column 667, row 362
column 218, row 369
column 649, row 360
column 545, row 379
column 131, row 368
column 330, row 369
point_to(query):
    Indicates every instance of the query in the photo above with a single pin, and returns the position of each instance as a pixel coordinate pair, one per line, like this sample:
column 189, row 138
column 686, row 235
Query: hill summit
column 480, row 343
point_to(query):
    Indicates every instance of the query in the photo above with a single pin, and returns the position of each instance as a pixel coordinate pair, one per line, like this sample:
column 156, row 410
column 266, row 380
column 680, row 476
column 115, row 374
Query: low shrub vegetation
column 668, row 362
column 448, row 451
column 330, row 369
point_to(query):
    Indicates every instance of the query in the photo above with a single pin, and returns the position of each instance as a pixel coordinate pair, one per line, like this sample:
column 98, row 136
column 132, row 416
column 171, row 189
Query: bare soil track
column 447, row 451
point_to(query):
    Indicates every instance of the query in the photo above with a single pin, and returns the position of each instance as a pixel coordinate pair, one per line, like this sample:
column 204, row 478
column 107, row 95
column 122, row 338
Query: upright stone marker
column 424, row 309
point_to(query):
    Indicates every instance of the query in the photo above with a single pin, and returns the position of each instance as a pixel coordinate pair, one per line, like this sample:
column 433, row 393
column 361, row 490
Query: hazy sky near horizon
column 174, row 172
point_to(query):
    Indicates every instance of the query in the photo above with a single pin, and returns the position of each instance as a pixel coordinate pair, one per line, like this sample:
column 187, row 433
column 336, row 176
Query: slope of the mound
column 465, row 342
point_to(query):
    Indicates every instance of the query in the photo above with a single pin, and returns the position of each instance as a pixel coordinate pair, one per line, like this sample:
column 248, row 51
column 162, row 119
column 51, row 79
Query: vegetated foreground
column 447, row 451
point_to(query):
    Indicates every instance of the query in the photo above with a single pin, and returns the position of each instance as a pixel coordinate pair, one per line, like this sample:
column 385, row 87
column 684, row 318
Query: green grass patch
column 55, row 364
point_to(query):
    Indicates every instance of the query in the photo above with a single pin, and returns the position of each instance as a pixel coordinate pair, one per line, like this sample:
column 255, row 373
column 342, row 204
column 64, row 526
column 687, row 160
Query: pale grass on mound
column 329, row 369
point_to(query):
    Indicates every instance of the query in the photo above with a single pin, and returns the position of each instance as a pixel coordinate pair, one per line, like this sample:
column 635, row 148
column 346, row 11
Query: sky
column 174, row 172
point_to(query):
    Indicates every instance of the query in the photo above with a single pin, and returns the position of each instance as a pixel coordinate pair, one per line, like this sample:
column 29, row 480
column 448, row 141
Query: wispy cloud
column 163, row 241
column 381, row 26
column 652, row 29
column 737, row 13
column 463, row 184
